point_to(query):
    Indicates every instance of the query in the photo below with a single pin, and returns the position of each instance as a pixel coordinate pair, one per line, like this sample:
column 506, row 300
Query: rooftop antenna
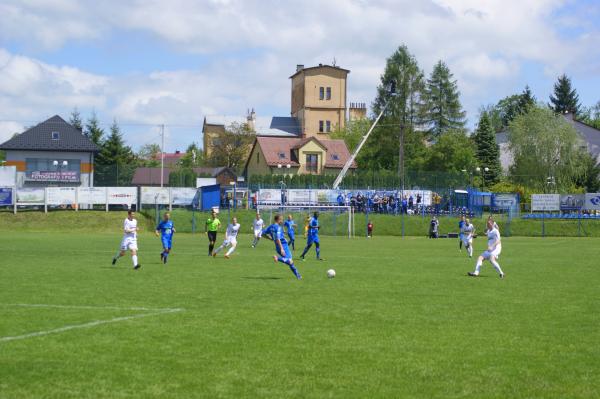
column 334, row 62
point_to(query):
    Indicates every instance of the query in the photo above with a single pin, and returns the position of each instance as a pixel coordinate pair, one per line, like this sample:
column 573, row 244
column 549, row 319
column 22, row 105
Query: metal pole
column 162, row 154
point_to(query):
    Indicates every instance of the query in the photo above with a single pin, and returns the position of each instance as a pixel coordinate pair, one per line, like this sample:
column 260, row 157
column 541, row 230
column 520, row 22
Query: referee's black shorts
column 212, row 236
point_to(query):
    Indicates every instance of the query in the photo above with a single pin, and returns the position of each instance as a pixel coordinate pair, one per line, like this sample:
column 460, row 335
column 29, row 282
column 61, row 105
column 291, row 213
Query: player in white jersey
column 468, row 230
column 257, row 225
column 230, row 238
column 494, row 247
column 129, row 242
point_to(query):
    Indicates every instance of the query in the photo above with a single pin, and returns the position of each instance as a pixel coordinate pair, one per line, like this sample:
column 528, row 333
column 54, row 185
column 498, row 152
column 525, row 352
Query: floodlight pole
column 162, row 155
column 338, row 180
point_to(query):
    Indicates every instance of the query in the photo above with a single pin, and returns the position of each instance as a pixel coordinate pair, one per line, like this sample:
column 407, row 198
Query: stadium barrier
column 77, row 198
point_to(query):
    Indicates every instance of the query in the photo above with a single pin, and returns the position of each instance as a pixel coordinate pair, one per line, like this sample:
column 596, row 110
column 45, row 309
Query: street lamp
column 60, row 165
column 483, row 172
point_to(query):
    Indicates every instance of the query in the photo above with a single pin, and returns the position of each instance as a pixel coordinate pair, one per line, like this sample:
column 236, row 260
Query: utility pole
column 162, row 155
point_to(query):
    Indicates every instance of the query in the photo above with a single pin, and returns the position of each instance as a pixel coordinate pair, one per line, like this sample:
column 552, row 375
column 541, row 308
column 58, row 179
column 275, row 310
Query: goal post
column 334, row 220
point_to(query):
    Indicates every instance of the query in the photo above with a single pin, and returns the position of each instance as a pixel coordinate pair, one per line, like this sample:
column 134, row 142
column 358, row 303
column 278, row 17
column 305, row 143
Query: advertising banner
column 68, row 176
column 155, row 195
column 121, row 195
column 33, row 196
column 61, row 195
column 8, row 176
column 269, row 196
column 92, row 195
column 327, row 197
column 297, row 196
column 183, row 196
column 592, row 202
column 545, row 202
column 571, row 202
column 505, row 201
column 6, row 196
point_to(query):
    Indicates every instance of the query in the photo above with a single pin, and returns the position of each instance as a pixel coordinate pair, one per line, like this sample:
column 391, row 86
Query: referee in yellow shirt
column 212, row 226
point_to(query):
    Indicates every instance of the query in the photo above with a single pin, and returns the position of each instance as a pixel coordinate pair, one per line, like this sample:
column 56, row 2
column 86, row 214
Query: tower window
column 328, row 126
column 321, row 127
column 55, row 135
column 328, row 94
column 321, row 93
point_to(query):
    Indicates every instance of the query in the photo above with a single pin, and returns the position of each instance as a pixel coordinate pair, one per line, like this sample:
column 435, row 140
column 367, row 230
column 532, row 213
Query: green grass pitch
column 400, row 320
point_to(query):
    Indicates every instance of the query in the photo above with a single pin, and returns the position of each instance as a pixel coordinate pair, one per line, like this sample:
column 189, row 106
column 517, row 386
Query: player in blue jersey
column 165, row 231
column 461, row 236
column 290, row 225
column 275, row 232
column 313, row 236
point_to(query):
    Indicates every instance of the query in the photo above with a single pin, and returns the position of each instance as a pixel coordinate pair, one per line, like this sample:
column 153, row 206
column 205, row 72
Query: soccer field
column 401, row 319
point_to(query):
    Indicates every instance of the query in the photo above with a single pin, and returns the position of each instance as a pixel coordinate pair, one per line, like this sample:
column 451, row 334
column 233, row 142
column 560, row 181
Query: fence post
column 170, row 199
column 76, row 199
column 45, row 199
column 14, row 198
column 106, row 197
column 579, row 223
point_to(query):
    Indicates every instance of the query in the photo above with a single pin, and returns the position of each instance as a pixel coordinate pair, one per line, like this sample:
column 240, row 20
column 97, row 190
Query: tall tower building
column 319, row 99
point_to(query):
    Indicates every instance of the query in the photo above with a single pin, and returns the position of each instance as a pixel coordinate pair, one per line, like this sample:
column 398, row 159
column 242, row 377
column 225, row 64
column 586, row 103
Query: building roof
column 151, row 176
column 281, row 151
column 282, row 125
column 277, row 126
column 337, row 68
column 43, row 137
column 588, row 133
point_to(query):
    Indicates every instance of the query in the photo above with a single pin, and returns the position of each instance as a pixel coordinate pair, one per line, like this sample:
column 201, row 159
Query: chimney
column 177, row 152
column 299, row 67
column 251, row 120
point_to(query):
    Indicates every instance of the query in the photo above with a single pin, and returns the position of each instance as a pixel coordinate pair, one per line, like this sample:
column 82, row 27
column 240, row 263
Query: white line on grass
column 155, row 312
column 44, row 305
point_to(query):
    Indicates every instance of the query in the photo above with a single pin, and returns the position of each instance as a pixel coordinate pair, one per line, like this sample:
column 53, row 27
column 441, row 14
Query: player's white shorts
column 129, row 243
column 258, row 233
column 467, row 241
column 230, row 241
column 495, row 253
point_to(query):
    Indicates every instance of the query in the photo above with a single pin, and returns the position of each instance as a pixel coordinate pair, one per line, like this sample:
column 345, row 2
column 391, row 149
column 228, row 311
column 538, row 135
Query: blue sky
column 151, row 62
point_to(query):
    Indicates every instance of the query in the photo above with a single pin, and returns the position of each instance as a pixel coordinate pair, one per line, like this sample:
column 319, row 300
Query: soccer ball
column 330, row 273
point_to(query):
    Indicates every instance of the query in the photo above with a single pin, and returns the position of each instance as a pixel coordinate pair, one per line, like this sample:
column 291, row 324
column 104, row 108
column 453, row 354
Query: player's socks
column 210, row 249
column 497, row 267
column 459, row 245
column 134, row 260
column 166, row 254
column 305, row 251
column 318, row 252
column 294, row 270
column 228, row 254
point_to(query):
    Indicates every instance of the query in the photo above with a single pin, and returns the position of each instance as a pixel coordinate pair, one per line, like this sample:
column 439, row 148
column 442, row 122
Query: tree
column 590, row 178
column 75, row 119
column 508, row 108
column 545, row 148
column 149, row 155
column 352, row 132
column 486, row 149
column 526, row 100
column 2, row 155
column 193, row 158
column 452, row 152
column 591, row 115
column 115, row 163
column 396, row 142
column 234, row 146
column 93, row 131
column 565, row 98
column 443, row 109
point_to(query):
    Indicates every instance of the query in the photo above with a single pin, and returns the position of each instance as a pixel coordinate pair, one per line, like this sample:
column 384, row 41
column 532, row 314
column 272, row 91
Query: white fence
column 81, row 197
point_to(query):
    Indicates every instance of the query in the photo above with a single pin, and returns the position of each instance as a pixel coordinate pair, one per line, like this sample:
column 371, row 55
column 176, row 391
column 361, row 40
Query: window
column 328, row 95
column 335, row 157
column 321, row 127
column 55, row 135
column 281, row 155
column 321, row 93
column 328, row 126
column 312, row 163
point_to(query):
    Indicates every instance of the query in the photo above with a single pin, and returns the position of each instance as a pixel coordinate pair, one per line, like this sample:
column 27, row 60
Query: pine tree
column 75, row 119
column 115, row 163
column 444, row 111
column 486, row 149
column 93, row 131
column 565, row 98
column 526, row 100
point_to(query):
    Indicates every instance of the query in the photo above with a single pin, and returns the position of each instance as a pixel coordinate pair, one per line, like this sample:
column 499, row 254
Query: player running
column 467, row 232
column 230, row 239
column 211, row 228
column 129, row 242
column 165, row 231
column 494, row 247
column 290, row 225
column 313, row 236
column 461, row 224
column 257, row 225
column 275, row 232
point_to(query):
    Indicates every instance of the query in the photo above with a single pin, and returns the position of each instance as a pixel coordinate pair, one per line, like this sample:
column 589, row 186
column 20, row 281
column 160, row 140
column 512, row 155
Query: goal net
column 333, row 220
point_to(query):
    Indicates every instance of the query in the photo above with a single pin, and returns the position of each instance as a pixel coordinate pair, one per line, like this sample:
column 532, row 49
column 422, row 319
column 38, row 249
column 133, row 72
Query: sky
column 149, row 62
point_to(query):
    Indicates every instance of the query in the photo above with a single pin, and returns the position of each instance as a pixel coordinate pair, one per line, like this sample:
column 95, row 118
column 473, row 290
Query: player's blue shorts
column 287, row 253
column 461, row 236
column 167, row 242
column 292, row 236
column 312, row 240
